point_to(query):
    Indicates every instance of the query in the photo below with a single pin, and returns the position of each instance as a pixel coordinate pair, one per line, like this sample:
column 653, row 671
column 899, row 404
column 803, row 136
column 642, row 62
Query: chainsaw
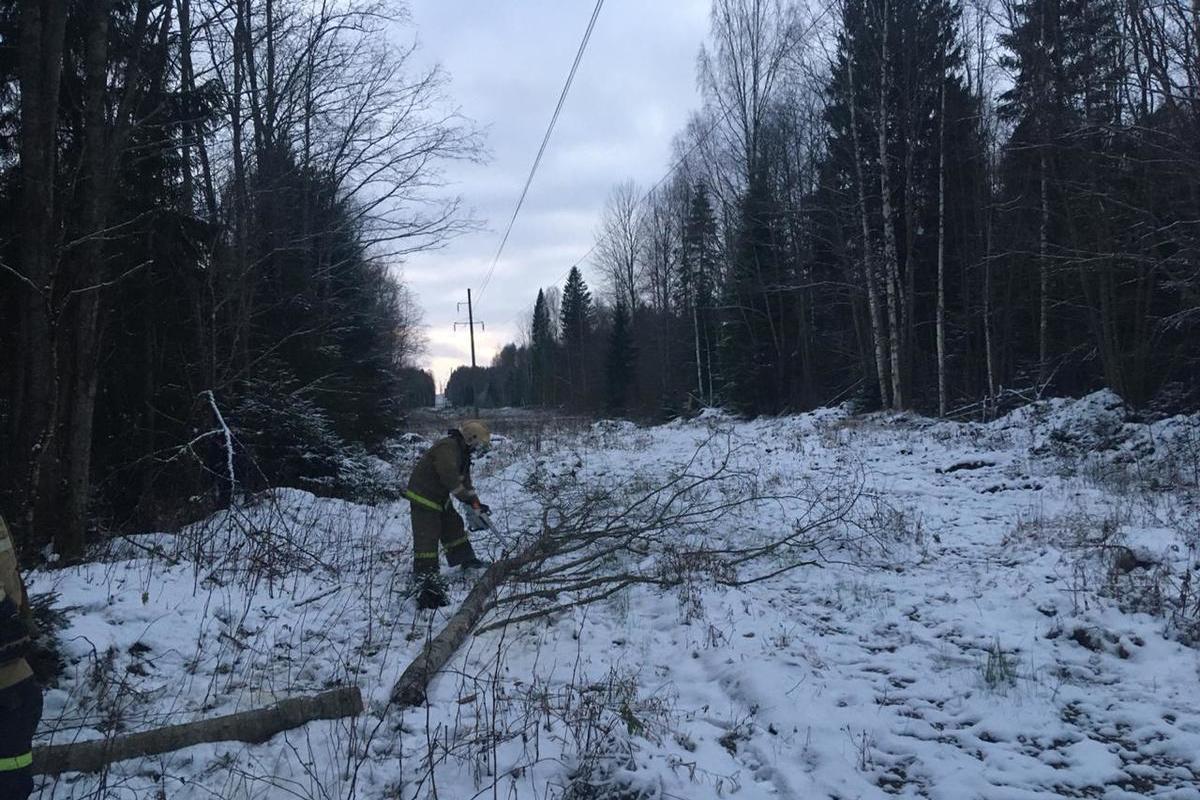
column 478, row 520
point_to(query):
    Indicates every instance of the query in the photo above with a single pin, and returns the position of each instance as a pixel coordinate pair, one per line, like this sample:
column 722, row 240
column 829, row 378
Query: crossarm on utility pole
column 470, row 325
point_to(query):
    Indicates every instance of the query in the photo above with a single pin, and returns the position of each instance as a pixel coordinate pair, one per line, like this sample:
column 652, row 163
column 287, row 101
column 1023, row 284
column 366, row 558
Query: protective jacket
column 14, row 616
column 443, row 471
column 20, row 697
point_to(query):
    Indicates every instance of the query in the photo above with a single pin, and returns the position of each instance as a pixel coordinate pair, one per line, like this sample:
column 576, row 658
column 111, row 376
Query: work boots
column 463, row 555
column 431, row 591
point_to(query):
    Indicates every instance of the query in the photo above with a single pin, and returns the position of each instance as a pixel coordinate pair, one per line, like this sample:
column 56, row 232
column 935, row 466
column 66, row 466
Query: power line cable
column 679, row 162
column 562, row 99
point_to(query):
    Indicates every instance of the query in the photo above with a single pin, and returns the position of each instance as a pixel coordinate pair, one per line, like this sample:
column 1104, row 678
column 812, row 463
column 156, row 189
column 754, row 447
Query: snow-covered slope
column 1016, row 625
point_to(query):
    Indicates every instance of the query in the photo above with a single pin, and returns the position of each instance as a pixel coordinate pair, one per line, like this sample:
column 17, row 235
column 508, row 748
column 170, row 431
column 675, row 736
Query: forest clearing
column 960, row 610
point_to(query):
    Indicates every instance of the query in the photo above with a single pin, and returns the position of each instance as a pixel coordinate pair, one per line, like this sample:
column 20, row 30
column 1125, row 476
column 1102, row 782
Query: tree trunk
column 808, row 396
column 699, row 364
column 908, row 302
column 410, row 689
column 869, row 272
column 247, row 726
column 242, row 307
column 988, row 346
column 1196, row 54
column 78, row 329
column 1043, row 272
column 941, row 256
column 891, row 264
column 187, row 85
column 270, row 99
column 1043, row 241
column 42, row 37
column 708, row 356
column 191, row 132
column 985, row 205
column 64, row 491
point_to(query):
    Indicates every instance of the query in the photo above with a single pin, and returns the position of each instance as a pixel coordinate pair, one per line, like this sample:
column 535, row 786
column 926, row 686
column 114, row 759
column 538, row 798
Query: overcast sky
column 507, row 60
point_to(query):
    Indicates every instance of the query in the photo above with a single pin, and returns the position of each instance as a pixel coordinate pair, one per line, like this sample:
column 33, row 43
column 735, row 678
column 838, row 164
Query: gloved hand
column 482, row 508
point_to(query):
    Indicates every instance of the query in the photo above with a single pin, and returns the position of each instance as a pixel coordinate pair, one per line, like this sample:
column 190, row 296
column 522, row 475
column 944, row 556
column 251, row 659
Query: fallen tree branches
column 254, row 726
column 717, row 519
column 714, row 520
column 410, row 689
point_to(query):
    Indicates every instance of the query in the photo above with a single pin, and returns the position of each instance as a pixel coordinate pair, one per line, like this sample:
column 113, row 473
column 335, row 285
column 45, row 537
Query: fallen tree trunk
column 410, row 689
column 254, row 726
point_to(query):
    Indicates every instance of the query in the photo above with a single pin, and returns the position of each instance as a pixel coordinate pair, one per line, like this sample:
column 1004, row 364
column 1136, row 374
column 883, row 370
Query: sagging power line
column 562, row 98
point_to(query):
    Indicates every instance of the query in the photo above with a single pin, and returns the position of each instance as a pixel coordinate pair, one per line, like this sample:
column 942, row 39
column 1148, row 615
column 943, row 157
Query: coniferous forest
column 203, row 203
column 950, row 206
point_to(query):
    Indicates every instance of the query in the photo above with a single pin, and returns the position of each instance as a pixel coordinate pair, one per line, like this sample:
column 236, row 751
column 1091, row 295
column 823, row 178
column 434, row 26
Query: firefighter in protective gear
column 444, row 472
column 20, row 696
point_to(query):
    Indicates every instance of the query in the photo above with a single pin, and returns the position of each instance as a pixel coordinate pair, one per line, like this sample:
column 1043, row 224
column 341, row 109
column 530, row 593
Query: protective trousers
column 431, row 527
column 20, row 712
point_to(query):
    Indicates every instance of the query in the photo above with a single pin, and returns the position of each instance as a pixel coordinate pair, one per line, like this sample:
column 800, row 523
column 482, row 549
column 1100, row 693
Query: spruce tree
column 575, row 322
column 1063, row 106
column 543, row 347
column 895, row 62
column 622, row 356
column 750, row 357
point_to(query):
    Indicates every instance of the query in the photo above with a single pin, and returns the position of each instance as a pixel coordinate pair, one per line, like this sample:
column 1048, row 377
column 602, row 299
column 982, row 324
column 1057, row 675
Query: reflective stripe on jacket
column 413, row 497
column 444, row 470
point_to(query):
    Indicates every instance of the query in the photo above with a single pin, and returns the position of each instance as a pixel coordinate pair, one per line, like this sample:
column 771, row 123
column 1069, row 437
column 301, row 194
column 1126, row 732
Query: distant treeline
column 932, row 204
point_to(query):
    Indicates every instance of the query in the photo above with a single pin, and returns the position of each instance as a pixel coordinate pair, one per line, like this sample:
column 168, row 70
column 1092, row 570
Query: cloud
column 507, row 61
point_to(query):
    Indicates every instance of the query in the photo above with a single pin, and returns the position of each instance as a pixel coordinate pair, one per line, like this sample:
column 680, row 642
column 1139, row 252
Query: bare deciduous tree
column 621, row 243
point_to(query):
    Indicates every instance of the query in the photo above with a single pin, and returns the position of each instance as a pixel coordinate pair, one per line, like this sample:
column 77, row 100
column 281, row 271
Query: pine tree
column 575, row 323
column 622, row 356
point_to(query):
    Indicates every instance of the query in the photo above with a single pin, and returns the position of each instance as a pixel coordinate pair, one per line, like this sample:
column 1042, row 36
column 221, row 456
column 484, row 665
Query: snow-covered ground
column 1004, row 610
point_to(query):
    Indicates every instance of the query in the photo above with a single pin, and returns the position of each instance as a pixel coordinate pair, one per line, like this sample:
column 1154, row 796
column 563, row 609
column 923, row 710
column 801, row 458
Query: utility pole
column 470, row 326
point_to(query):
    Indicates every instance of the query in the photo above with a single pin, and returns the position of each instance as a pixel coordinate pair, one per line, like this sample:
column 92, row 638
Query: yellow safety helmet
column 476, row 435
